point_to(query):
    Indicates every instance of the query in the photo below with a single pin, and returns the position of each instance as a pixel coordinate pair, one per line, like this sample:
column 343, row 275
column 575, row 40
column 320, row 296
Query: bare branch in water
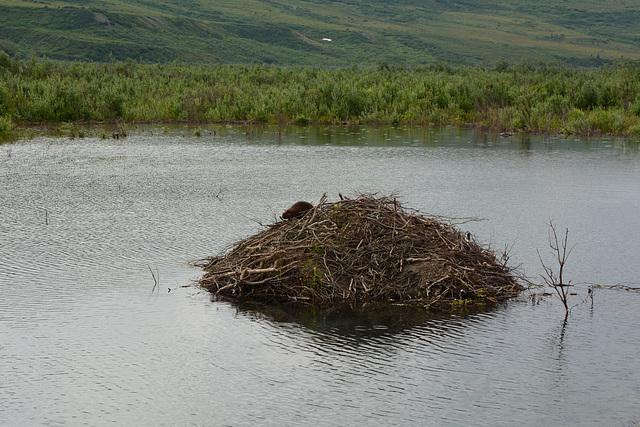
column 560, row 252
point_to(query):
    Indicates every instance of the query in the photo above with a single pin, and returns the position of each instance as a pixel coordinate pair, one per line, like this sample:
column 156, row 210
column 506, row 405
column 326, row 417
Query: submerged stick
column 156, row 280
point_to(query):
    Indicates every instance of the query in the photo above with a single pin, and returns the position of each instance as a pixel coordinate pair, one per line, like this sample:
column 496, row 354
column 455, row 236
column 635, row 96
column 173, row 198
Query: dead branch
column 560, row 253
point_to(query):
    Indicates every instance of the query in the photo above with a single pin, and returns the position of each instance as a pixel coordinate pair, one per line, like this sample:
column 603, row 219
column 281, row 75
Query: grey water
column 101, row 321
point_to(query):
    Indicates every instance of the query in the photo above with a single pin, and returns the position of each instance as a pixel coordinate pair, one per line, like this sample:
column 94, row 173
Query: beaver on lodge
column 297, row 210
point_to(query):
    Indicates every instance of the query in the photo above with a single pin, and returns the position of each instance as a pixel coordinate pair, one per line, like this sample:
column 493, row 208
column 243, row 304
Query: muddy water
column 86, row 336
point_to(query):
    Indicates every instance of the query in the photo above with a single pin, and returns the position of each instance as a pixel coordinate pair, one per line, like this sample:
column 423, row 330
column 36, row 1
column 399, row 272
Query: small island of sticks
column 358, row 250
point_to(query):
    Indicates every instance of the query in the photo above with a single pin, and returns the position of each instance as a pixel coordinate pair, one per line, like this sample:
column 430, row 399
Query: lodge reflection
column 347, row 320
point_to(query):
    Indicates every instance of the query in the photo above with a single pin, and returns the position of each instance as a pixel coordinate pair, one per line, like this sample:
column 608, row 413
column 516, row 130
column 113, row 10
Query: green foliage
column 527, row 97
column 6, row 128
column 5, row 61
column 6, row 125
column 382, row 33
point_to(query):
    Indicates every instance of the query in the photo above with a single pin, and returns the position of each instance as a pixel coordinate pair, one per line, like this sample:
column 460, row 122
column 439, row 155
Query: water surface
column 86, row 339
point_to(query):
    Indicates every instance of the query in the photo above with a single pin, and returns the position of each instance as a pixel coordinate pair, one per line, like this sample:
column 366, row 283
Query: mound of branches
column 364, row 249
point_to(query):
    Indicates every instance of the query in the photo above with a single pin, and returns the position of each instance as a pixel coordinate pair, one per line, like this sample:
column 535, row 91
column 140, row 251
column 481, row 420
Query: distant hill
column 324, row 32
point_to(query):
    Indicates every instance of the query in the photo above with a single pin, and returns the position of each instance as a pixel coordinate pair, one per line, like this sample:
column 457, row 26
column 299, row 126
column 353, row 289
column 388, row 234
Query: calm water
column 84, row 338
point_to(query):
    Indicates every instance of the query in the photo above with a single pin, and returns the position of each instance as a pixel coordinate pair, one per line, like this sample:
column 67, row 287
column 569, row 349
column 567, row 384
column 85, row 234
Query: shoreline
column 503, row 132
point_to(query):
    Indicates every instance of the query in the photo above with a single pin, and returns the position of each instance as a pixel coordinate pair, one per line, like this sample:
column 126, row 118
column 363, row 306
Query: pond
column 88, row 226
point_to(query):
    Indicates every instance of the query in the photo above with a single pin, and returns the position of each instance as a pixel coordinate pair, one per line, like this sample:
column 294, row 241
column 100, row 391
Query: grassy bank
column 523, row 97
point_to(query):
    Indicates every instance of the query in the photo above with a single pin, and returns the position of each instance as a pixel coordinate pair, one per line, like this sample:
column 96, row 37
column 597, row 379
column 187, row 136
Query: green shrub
column 577, row 122
column 635, row 107
column 6, row 128
column 529, row 97
column 634, row 129
column 606, row 121
column 6, row 125
column 5, row 61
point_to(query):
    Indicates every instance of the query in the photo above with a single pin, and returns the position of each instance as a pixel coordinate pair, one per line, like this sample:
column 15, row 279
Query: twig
column 156, row 280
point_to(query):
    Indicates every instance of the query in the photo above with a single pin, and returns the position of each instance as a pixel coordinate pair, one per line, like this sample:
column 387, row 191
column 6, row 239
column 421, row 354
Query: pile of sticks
column 362, row 249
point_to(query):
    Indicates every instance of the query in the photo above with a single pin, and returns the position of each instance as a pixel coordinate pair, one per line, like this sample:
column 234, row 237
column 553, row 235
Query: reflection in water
column 343, row 319
column 559, row 353
column 83, row 340
column 525, row 142
column 372, row 319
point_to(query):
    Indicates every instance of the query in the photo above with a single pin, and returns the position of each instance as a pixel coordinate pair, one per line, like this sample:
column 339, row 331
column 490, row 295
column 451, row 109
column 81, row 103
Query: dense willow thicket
column 525, row 97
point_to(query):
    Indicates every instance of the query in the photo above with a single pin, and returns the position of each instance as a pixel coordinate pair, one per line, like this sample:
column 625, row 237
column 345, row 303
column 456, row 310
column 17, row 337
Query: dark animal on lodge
column 297, row 210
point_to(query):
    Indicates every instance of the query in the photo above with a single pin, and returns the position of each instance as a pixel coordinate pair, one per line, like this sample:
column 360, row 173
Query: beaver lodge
column 360, row 250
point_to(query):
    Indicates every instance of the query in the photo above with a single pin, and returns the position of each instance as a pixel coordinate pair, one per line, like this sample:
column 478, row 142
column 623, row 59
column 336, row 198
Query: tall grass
column 524, row 97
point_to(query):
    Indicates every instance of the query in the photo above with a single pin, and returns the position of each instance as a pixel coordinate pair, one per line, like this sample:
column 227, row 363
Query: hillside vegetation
column 296, row 32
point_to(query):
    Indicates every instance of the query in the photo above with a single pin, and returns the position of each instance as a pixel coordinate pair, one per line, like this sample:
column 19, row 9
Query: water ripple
column 84, row 340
